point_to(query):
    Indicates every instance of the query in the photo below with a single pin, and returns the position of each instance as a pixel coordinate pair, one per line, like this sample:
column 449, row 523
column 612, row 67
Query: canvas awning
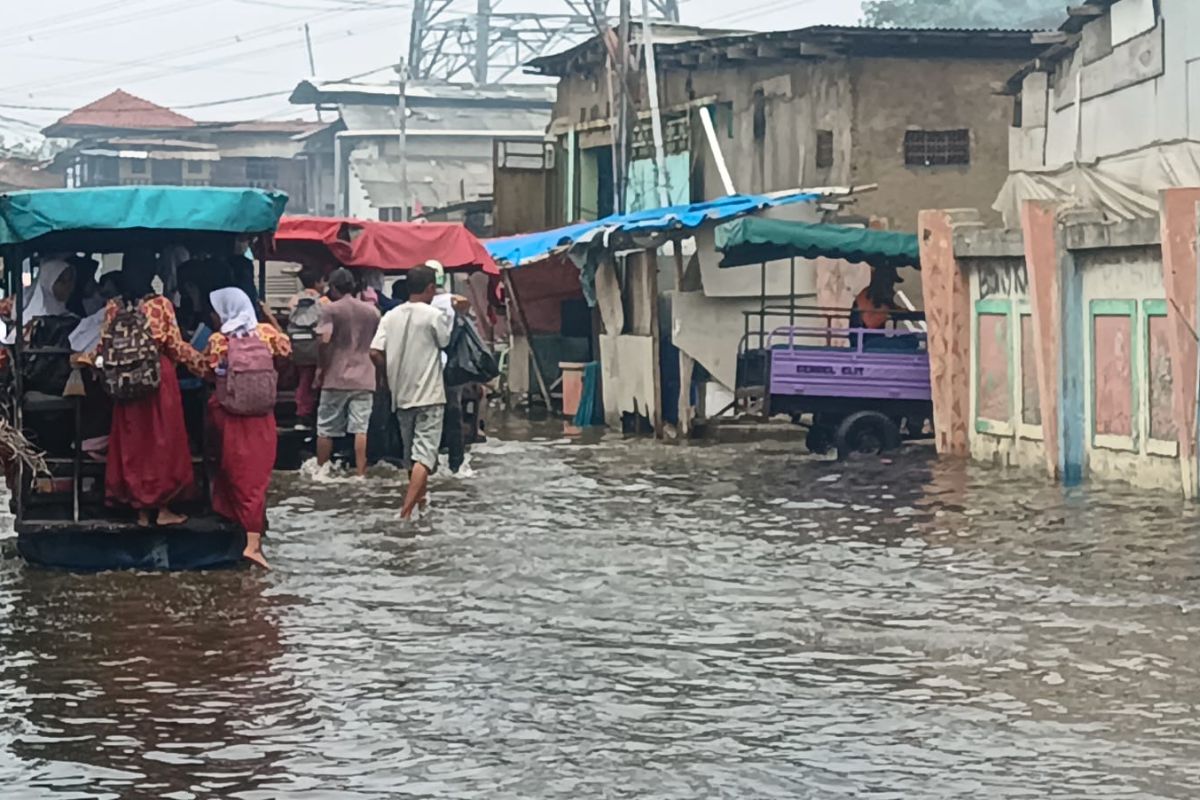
column 754, row 240
column 395, row 246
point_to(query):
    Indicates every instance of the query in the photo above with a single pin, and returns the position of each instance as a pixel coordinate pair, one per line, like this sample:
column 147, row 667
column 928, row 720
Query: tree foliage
column 964, row 13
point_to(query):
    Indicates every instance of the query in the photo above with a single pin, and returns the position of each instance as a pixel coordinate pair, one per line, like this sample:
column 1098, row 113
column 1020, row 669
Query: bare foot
column 253, row 552
column 143, row 520
column 167, row 517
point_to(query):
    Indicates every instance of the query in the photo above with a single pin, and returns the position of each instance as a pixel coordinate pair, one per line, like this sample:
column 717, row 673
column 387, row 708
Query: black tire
column 867, row 432
column 819, row 440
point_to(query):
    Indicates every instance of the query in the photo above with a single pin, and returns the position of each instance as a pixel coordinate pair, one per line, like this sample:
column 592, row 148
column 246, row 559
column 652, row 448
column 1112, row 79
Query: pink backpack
column 248, row 388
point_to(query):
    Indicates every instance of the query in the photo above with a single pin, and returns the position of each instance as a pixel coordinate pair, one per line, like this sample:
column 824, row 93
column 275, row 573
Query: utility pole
column 621, row 142
column 402, row 115
column 483, row 44
column 312, row 63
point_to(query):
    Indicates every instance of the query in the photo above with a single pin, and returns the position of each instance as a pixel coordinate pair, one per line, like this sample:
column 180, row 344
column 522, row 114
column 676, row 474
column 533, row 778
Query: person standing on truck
column 874, row 307
column 347, row 374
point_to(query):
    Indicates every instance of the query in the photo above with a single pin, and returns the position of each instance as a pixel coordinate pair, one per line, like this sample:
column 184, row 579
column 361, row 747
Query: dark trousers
column 452, row 429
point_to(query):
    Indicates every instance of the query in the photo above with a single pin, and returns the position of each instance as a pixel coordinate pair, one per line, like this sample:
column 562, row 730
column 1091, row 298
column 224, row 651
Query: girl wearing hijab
column 247, row 444
column 149, row 462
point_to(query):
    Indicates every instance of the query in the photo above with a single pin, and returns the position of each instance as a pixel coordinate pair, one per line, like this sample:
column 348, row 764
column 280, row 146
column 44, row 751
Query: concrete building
column 123, row 140
column 1066, row 342
column 450, row 137
column 1105, row 116
column 911, row 110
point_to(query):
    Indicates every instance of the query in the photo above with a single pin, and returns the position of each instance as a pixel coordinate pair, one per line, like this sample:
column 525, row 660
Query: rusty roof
column 819, row 41
column 123, row 111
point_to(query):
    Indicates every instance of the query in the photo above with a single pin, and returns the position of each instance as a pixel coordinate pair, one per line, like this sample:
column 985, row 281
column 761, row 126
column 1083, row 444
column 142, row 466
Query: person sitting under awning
column 875, row 306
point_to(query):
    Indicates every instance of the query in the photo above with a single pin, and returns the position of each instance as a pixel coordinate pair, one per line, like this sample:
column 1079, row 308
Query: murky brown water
column 631, row 620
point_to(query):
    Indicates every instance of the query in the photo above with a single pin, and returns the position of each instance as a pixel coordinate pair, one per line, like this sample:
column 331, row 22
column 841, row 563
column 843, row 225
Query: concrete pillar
column 1179, row 233
column 948, row 313
column 1039, row 227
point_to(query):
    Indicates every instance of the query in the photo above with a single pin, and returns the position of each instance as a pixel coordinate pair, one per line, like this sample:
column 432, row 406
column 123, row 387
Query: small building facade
column 123, row 140
column 450, row 134
column 1066, row 341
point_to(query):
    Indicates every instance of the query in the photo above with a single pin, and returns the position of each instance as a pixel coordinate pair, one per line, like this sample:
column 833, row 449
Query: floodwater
column 632, row 620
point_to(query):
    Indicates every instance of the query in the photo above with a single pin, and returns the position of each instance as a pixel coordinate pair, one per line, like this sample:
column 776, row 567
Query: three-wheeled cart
column 859, row 389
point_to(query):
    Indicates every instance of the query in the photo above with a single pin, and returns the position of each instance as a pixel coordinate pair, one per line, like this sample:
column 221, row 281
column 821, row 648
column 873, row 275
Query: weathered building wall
column 895, row 95
column 1073, row 349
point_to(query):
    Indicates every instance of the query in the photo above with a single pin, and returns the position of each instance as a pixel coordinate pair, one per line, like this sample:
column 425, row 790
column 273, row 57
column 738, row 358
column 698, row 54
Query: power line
column 90, row 77
column 76, row 25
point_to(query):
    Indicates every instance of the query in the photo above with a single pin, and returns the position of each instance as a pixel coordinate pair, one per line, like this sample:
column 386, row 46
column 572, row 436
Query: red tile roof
column 125, row 111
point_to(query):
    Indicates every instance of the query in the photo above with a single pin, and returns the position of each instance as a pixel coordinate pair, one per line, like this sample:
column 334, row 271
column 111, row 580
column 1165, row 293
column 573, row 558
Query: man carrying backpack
column 304, row 316
column 346, row 375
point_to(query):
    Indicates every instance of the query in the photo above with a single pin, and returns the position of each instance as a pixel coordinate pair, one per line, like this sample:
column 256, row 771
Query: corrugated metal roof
column 816, row 41
column 435, row 182
column 456, row 118
column 421, row 94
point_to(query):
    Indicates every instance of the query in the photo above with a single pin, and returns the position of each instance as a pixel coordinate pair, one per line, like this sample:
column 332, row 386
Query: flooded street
column 632, row 620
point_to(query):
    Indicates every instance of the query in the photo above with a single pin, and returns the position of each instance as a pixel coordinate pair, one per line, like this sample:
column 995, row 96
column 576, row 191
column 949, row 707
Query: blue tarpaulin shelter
column 519, row 251
column 26, row 216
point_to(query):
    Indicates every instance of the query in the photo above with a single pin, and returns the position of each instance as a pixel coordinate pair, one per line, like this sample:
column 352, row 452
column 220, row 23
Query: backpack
column 467, row 360
column 302, row 330
column 46, row 364
column 248, row 387
column 131, row 357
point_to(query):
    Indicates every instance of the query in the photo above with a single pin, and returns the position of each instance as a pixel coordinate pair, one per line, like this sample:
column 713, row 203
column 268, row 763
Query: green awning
column 27, row 216
column 753, row 240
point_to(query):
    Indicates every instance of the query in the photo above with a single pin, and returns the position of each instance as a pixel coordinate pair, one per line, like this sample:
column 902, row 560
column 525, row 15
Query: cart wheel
column 818, row 441
column 867, row 432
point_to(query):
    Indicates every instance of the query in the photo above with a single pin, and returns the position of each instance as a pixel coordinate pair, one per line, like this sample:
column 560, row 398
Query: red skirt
column 247, row 457
column 149, row 463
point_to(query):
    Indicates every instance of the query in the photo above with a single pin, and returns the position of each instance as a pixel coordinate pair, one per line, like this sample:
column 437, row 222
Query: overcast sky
column 61, row 54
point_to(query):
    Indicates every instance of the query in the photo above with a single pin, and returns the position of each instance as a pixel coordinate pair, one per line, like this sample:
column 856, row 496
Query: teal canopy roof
column 753, row 240
column 27, row 216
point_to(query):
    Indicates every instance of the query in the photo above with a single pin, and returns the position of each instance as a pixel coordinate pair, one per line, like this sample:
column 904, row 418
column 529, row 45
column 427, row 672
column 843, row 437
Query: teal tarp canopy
column 26, row 216
column 753, row 240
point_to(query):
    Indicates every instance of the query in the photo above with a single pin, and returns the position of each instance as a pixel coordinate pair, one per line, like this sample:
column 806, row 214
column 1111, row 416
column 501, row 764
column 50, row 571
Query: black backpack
column 302, row 330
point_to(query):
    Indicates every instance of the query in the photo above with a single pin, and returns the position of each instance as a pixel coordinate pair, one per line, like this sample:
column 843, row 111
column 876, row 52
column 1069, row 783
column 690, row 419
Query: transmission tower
column 461, row 40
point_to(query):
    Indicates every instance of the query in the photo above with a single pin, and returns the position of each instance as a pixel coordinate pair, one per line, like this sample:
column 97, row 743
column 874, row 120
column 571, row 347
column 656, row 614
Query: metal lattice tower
column 458, row 40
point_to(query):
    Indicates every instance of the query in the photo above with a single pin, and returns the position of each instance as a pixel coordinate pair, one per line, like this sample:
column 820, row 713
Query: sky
column 194, row 55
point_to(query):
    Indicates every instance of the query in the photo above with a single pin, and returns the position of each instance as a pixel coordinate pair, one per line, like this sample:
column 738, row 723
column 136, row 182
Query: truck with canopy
column 864, row 388
column 62, row 519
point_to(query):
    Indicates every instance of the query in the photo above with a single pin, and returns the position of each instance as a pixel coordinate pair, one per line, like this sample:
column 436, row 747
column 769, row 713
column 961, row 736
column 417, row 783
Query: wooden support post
column 656, row 412
column 686, row 363
column 520, row 312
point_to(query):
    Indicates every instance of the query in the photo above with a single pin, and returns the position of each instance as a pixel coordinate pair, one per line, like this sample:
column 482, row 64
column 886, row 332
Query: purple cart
column 866, row 390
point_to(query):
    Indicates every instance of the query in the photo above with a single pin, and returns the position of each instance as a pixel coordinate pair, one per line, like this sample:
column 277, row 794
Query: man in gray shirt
column 408, row 345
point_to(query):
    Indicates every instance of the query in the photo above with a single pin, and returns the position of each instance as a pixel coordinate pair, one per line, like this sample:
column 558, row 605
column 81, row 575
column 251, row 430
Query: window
column 824, row 149
column 195, row 167
column 760, row 115
column 137, row 166
column 262, row 171
column 391, row 214
column 937, row 148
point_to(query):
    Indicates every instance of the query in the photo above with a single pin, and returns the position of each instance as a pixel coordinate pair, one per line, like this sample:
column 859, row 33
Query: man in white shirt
column 408, row 345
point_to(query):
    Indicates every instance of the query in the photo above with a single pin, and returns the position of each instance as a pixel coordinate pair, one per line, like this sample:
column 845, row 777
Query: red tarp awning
column 328, row 242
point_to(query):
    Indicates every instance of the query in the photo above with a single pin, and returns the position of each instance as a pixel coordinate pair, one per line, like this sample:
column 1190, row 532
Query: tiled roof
column 124, row 111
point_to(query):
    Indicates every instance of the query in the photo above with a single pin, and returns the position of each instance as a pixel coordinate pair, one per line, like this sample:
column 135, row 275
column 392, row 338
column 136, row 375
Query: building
column 911, row 110
column 1066, row 341
column 450, row 135
column 123, row 140
column 1106, row 115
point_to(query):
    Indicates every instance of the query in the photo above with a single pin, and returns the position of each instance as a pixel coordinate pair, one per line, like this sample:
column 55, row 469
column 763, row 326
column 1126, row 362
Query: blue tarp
column 516, row 251
column 25, row 216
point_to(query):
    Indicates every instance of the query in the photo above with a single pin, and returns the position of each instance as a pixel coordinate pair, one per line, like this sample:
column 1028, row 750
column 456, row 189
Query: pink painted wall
column 1031, row 398
column 948, row 314
column 1039, row 224
column 993, row 393
column 1179, row 222
column 1161, row 381
column 1114, row 375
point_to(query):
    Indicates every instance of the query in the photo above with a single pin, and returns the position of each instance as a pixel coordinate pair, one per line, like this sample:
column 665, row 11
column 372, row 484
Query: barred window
column 937, row 148
column 824, row 149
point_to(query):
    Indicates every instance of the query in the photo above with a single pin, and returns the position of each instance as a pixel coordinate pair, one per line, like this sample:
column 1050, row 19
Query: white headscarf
column 235, row 310
column 86, row 335
column 42, row 302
